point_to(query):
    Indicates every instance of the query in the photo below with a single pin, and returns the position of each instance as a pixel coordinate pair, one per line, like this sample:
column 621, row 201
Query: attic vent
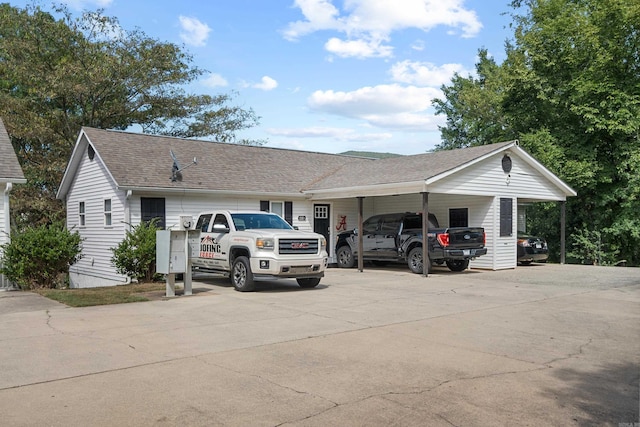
column 506, row 163
column 91, row 152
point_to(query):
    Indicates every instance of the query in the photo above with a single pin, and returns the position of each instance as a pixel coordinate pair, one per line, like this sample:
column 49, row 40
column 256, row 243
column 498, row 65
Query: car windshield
column 247, row 221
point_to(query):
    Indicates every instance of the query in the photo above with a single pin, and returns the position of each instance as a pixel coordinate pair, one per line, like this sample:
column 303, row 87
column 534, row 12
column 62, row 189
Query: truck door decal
column 210, row 248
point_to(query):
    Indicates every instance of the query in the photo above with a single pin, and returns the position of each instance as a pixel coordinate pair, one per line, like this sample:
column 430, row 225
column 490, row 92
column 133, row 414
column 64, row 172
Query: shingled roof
column 143, row 161
column 140, row 161
column 395, row 170
column 10, row 170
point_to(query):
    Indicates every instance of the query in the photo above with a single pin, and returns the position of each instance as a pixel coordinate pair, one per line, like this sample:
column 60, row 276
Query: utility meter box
column 186, row 223
column 171, row 254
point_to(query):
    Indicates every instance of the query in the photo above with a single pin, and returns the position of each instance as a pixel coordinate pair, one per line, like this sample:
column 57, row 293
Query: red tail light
column 443, row 239
column 484, row 239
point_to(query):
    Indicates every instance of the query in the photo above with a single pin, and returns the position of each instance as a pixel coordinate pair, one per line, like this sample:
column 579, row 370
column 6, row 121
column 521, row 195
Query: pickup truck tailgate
column 466, row 237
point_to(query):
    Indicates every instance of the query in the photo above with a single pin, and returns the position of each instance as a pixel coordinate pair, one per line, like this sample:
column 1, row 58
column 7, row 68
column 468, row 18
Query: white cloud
column 215, row 80
column 369, row 22
column 194, row 32
column 387, row 106
column 357, row 48
column 339, row 134
column 267, row 83
column 87, row 4
column 425, row 73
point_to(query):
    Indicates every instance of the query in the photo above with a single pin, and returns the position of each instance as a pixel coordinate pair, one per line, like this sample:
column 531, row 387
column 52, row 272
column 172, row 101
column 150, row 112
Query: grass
column 102, row 296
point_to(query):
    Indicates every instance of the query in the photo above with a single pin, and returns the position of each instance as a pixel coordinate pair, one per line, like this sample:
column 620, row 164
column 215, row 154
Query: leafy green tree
column 135, row 256
column 39, row 257
column 473, row 107
column 569, row 90
column 59, row 73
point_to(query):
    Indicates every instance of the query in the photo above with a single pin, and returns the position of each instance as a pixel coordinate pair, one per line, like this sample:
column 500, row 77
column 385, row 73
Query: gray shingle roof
column 139, row 160
column 10, row 169
column 143, row 161
column 419, row 167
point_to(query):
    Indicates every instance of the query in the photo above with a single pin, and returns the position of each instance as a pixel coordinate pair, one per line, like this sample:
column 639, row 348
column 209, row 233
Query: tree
column 473, row 106
column 569, row 90
column 59, row 74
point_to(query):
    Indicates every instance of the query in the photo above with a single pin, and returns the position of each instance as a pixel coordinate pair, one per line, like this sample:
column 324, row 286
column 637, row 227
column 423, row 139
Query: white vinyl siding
column 487, row 178
column 93, row 185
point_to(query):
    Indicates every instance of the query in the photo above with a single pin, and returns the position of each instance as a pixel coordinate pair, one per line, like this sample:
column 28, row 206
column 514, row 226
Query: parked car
column 532, row 249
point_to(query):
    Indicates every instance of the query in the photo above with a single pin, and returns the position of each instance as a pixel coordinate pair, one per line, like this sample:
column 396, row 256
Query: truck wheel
column 308, row 282
column 345, row 257
column 458, row 264
column 415, row 260
column 241, row 275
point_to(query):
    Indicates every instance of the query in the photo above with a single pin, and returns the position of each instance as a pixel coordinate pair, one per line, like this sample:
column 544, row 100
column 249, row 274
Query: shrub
column 39, row 257
column 135, row 256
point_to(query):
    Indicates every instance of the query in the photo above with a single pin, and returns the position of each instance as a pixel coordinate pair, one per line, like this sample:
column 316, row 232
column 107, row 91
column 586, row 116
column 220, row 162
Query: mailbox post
column 173, row 255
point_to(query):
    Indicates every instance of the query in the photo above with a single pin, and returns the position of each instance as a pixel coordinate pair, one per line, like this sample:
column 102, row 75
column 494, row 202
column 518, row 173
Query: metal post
column 188, row 290
column 425, row 234
column 563, row 230
column 360, row 241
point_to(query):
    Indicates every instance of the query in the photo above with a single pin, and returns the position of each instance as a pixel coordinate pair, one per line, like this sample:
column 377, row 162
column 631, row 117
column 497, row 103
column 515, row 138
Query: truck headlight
column 323, row 244
column 264, row 243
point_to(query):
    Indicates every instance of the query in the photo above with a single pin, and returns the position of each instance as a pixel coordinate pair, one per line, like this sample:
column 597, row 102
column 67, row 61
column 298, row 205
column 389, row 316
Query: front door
column 322, row 221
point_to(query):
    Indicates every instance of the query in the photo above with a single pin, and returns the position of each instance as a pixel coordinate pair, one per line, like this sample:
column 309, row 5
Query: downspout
column 127, row 220
column 127, row 210
column 7, row 211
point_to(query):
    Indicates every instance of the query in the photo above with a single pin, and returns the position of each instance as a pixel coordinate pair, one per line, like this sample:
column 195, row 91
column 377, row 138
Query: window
column 107, row 212
column 81, row 214
column 152, row 208
column 321, row 212
column 506, row 217
column 459, row 217
column 284, row 209
column 203, row 223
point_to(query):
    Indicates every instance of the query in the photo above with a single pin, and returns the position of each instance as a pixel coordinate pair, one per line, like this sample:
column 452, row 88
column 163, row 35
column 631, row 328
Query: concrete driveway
column 540, row 345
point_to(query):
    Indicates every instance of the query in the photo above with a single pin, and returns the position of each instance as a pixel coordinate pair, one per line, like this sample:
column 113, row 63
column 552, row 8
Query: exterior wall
column 487, row 178
column 92, row 185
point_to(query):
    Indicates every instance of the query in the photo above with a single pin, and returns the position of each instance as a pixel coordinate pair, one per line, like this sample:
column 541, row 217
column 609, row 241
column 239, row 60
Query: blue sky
column 326, row 75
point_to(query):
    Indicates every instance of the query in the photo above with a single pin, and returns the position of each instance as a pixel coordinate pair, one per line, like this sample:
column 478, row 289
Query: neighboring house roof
column 10, row 170
column 143, row 162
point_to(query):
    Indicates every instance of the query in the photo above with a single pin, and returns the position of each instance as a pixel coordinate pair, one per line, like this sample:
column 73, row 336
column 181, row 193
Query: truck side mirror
column 355, row 231
column 220, row 228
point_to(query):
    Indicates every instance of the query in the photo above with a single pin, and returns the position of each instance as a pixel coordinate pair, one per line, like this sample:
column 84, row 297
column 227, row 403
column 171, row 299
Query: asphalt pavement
column 544, row 345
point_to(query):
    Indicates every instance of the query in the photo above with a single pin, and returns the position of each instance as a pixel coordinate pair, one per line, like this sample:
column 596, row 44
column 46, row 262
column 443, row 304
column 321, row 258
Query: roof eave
column 173, row 190
column 368, row 190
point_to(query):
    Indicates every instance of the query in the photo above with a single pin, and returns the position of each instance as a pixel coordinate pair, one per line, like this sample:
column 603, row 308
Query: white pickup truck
column 253, row 245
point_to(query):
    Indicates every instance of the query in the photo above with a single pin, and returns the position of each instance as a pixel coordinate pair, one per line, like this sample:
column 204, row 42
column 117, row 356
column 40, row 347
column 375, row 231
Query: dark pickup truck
column 397, row 237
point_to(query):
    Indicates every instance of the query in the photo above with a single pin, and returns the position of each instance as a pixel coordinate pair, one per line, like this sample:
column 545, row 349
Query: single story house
column 115, row 180
column 10, row 173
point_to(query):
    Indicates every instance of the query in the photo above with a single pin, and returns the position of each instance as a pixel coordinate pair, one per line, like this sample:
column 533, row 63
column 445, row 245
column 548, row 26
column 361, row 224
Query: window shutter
column 288, row 212
column 264, row 205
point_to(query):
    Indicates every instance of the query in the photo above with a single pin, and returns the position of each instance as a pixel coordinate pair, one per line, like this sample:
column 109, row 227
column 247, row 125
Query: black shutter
column 288, row 212
column 264, row 205
column 506, row 217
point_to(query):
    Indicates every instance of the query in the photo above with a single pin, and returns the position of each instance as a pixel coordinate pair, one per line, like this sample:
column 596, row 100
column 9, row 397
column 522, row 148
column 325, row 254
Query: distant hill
column 370, row 154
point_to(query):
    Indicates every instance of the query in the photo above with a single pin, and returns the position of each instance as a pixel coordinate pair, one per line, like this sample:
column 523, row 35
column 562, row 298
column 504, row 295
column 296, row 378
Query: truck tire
column 241, row 275
column 414, row 260
column 345, row 257
column 308, row 282
column 458, row 264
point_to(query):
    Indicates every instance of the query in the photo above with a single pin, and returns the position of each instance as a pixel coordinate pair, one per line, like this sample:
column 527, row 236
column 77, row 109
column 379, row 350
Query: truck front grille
column 298, row 246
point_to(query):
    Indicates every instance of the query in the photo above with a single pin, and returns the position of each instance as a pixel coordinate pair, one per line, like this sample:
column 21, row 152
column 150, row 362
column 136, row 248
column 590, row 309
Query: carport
column 487, row 181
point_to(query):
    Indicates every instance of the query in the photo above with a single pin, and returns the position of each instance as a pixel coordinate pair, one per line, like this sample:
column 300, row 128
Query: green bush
column 39, row 257
column 135, row 256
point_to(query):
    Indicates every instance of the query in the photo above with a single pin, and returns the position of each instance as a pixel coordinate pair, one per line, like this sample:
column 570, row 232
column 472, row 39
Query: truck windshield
column 247, row 221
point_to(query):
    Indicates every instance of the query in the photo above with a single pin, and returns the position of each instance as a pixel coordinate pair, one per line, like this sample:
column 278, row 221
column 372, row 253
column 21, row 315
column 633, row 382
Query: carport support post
column 425, row 234
column 360, row 242
column 563, row 230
